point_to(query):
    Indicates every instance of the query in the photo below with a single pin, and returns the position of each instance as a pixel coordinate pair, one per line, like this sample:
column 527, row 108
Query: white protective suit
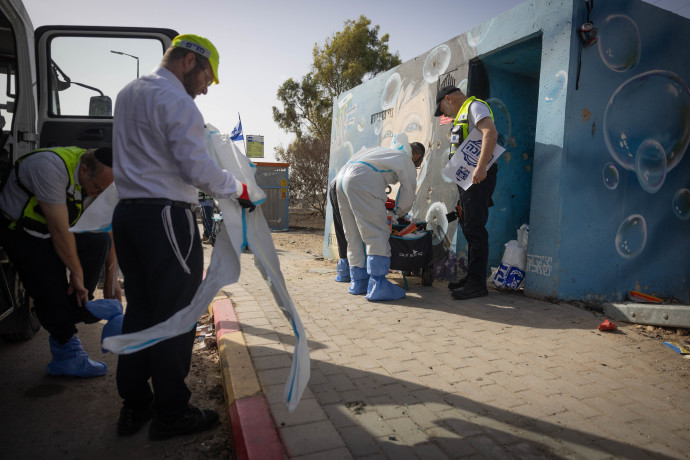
column 361, row 187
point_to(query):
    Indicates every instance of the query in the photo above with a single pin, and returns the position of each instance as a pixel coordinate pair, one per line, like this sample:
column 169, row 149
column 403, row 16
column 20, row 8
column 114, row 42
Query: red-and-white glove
column 244, row 200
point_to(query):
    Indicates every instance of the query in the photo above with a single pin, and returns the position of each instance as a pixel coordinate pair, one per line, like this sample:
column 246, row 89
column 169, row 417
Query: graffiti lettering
column 541, row 265
column 381, row 115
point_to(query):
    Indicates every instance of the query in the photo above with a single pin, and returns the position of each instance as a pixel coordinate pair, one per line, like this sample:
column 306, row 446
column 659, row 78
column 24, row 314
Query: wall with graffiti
column 595, row 136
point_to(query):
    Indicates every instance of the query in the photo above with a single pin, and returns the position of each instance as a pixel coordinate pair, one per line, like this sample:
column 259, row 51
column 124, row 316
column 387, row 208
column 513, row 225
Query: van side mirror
column 100, row 106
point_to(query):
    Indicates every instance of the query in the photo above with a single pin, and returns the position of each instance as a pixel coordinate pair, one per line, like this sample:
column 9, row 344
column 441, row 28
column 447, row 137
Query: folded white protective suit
column 98, row 217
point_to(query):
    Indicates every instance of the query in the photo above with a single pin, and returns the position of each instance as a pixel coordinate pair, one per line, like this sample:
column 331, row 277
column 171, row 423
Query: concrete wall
column 600, row 224
column 626, row 205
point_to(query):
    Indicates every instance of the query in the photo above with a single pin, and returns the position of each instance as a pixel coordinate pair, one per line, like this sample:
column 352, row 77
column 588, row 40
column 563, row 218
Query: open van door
column 17, row 82
column 80, row 71
column 57, row 88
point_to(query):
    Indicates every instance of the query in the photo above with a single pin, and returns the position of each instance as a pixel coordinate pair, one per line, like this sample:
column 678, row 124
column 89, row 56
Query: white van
column 57, row 87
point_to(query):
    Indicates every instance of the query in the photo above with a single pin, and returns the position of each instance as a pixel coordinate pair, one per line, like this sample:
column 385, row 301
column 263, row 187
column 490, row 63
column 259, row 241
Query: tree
column 352, row 56
column 308, row 158
column 346, row 60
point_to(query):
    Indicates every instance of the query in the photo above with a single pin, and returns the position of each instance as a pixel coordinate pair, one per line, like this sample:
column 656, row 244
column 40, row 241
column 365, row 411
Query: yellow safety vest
column 32, row 217
column 462, row 123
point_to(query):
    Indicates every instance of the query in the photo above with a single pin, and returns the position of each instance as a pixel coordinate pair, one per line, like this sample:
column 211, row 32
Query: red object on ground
column 607, row 326
column 645, row 298
column 390, row 204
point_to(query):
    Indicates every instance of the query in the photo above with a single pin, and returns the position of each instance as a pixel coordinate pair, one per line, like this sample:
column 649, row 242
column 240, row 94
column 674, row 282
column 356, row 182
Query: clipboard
column 459, row 169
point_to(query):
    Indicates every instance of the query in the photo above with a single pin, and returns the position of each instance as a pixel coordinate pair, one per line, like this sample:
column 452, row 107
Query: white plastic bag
column 522, row 236
column 511, row 272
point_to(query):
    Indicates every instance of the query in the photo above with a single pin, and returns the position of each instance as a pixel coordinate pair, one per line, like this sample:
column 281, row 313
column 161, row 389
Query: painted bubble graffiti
column 681, row 204
column 619, row 43
column 650, row 165
column 463, row 86
column 391, row 91
column 664, row 97
column 477, row 35
column 436, row 63
column 378, row 126
column 444, row 177
column 558, row 86
column 611, row 176
column 631, row 236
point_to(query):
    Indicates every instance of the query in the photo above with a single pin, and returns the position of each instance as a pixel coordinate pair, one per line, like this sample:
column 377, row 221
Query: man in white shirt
column 160, row 160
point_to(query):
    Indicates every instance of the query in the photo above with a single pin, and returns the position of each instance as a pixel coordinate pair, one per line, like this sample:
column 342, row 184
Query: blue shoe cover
column 380, row 288
column 71, row 359
column 378, row 265
column 110, row 310
column 343, row 271
column 359, row 280
column 111, row 328
column 104, row 308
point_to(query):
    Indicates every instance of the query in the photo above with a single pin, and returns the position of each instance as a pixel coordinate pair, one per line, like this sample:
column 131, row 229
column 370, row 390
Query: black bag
column 411, row 253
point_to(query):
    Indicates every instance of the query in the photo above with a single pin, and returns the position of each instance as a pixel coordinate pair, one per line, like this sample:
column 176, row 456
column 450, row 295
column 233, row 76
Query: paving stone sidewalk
column 430, row 377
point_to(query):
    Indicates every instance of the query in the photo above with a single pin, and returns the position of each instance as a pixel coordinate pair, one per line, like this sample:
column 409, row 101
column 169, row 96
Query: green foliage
column 308, row 158
column 352, row 56
column 344, row 61
column 303, row 105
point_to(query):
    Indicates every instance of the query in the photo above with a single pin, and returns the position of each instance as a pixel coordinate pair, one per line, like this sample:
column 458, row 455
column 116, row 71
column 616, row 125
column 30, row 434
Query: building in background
column 596, row 124
column 274, row 181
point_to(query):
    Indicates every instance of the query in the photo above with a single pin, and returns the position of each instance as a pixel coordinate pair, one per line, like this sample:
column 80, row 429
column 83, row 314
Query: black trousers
column 475, row 203
column 45, row 279
column 207, row 219
column 338, row 223
column 156, row 287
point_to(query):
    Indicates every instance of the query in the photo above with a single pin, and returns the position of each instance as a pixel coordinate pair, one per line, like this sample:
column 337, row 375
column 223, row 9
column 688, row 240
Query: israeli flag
column 236, row 134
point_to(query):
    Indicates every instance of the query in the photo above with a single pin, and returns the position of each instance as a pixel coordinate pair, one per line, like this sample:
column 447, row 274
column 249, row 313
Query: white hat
column 401, row 142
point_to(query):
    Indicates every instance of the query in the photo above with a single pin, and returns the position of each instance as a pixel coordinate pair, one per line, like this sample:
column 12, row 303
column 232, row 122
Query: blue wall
column 626, row 202
column 599, row 172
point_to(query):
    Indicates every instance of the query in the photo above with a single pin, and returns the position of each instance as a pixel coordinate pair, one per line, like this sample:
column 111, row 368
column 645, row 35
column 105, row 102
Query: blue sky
column 264, row 42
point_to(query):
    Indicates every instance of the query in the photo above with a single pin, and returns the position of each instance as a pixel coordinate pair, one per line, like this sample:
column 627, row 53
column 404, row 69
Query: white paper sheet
column 460, row 168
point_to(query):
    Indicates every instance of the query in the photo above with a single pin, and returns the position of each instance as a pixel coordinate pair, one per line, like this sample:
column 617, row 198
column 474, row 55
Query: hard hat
column 401, row 142
column 202, row 46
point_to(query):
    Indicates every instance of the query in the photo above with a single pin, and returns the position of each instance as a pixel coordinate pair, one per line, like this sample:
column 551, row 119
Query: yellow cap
column 202, row 46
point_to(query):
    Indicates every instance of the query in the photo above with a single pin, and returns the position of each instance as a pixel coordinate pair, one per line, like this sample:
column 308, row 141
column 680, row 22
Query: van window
column 87, row 72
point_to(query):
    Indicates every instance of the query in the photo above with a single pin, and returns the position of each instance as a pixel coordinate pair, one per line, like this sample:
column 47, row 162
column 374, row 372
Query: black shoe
column 194, row 420
column 131, row 420
column 470, row 292
column 458, row 284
